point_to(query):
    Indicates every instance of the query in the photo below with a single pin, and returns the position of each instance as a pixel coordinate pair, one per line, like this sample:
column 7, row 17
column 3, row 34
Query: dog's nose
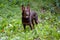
column 27, row 13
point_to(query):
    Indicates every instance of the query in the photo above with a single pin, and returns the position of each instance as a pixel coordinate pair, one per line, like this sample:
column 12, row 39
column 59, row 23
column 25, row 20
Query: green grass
column 11, row 27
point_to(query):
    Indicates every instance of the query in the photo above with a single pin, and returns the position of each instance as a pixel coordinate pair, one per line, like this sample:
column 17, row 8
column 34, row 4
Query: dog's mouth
column 27, row 16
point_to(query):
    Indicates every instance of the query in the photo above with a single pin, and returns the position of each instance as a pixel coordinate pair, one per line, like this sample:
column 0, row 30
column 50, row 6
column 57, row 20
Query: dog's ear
column 28, row 6
column 23, row 8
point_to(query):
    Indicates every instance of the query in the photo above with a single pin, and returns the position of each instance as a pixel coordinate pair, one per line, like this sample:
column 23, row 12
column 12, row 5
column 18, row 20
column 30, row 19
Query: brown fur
column 29, row 17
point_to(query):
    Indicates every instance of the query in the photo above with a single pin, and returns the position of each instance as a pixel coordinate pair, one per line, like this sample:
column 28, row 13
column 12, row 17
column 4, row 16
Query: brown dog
column 29, row 17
